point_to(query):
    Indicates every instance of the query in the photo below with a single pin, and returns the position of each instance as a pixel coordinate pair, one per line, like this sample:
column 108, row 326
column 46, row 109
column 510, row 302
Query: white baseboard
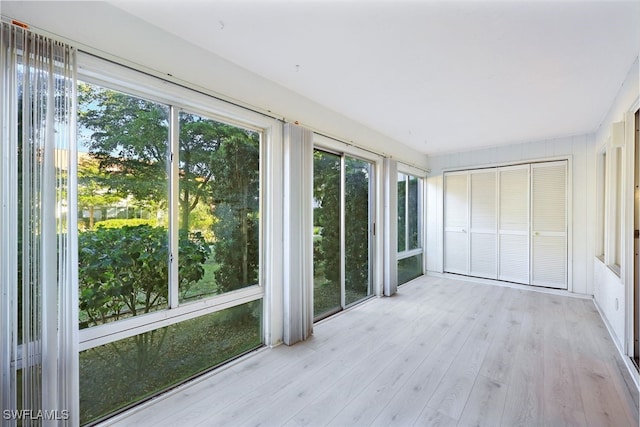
column 635, row 376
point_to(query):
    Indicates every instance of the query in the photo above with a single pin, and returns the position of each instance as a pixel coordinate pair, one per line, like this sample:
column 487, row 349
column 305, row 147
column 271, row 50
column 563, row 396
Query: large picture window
column 169, row 225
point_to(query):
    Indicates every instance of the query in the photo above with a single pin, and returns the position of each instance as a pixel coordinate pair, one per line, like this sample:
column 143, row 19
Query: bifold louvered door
column 508, row 223
column 456, row 222
column 513, row 229
column 483, row 242
column 471, row 223
column 549, row 224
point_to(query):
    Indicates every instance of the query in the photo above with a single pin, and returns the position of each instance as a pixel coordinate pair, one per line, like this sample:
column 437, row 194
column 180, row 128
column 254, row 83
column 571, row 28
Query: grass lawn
column 118, row 374
column 206, row 286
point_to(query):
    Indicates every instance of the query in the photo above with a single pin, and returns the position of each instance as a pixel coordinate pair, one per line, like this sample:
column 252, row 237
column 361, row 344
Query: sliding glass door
column 342, row 229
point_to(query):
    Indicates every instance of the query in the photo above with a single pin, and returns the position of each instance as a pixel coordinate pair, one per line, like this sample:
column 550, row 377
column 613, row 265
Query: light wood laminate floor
column 441, row 352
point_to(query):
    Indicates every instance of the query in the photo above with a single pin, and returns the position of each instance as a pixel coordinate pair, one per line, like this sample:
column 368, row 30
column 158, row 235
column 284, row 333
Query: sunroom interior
column 320, row 213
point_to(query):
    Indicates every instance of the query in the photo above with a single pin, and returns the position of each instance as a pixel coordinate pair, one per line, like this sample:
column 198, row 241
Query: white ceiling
column 438, row 76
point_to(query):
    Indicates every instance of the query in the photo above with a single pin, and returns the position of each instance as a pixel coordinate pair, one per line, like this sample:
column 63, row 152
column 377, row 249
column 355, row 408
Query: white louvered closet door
column 513, row 228
column 456, row 221
column 549, row 224
column 483, row 245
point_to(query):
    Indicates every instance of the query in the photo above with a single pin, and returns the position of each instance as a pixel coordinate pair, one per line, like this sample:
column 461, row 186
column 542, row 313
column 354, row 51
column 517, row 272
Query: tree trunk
column 185, row 211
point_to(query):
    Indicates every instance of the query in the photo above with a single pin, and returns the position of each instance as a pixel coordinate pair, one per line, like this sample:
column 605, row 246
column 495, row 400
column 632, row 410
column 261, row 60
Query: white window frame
column 420, row 175
column 113, row 76
column 613, row 192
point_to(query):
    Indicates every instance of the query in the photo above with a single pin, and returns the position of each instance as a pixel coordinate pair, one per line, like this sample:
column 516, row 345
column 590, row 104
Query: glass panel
column 402, row 212
column 118, row 374
column 122, row 205
column 409, row 268
column 357, row 225
column 326, row 233
column 413, row 229
column 219, row 203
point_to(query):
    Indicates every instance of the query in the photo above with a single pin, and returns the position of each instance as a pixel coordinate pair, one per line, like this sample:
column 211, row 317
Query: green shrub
column 125, row 222
column 125, row 271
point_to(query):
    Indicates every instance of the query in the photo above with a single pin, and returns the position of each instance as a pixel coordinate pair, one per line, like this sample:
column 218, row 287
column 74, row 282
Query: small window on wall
column 602, row 196
column 610, row 207
column 616, row 218
column 409, row 228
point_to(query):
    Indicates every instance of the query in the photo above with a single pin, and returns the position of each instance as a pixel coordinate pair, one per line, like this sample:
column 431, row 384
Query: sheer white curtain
column 298, row 220
column 37, row 229
column 390, row 227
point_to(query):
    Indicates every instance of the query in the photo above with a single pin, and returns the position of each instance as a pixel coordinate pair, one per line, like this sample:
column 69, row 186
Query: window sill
column 615, row 268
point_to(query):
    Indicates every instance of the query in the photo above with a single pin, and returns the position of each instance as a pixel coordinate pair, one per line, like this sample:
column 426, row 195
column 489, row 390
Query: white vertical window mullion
column 174, row 206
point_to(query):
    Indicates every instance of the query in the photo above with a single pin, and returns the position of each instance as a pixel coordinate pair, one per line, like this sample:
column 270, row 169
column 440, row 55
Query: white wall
column 610, row 290
column 109, row 32
column 581, row 151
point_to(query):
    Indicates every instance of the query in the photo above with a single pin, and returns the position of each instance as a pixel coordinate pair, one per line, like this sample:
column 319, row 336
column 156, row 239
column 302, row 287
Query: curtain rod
column 105, row 56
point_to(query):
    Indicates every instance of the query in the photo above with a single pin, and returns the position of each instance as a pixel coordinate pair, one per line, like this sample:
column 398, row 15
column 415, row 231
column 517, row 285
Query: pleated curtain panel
column 38, row 256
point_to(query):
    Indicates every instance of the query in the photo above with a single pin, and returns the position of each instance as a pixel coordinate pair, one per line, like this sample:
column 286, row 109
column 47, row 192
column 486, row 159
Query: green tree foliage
column 124, row 271
column 129, row 139
column 236, row 190
column 218, row 177
column 200, row 139
column 402, row 212
column 356, row 229
column 413, row 227
column 327, row 181
column 92, row 190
